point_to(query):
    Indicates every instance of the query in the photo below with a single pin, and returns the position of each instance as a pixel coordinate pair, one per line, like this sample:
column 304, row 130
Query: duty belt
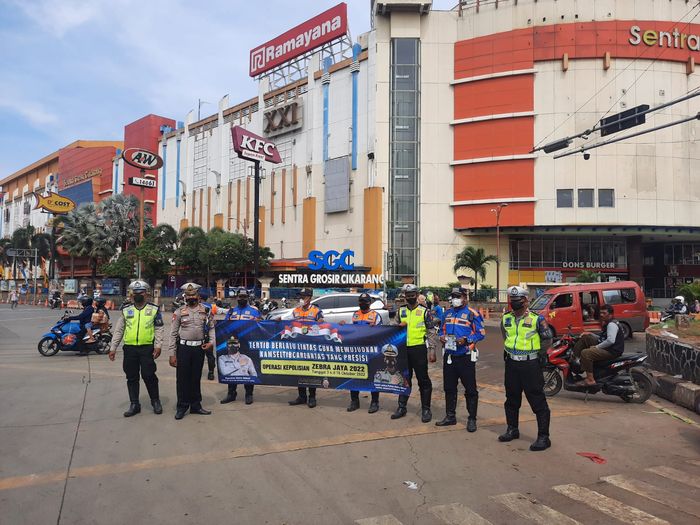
column 523, row 357
column 191, row 343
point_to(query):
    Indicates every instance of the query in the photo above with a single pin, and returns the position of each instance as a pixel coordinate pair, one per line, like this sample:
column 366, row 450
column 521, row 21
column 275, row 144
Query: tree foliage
column 587, row 276
column 474, row 259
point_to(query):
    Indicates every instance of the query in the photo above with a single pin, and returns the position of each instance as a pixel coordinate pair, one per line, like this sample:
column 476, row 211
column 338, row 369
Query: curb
column 678, row 391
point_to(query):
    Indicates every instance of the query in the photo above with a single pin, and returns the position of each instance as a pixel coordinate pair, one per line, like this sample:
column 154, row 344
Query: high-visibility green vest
column 415, row 324
column 139, row 324
column 522, row 336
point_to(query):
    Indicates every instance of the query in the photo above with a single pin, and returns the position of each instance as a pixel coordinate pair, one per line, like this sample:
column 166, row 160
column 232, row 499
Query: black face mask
column 242, row 302
column 517, row 304
column 411, row 300
column 364, row 306
column 192, row 301
column 139, row 299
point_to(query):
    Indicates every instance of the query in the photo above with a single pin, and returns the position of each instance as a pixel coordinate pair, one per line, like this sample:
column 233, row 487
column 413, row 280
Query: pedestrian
column 306, row 313
column 526, row 339
column 438, row 311
column 140, row 326
column 367, row 317
column 191, row 335
column 417, row 320
column 23, row 294
column 14, row 298
column 462, row 329
column 696, row 306
column 241, row 313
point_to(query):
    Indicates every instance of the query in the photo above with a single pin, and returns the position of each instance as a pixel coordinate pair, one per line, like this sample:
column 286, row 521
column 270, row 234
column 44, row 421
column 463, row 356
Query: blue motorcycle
column 65, row 335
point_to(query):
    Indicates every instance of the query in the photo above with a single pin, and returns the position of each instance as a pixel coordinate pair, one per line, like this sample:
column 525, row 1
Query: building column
column 635, row 259
column 308, row 242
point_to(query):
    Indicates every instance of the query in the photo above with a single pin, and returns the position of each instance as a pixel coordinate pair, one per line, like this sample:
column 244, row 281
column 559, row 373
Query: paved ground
column 68, row 456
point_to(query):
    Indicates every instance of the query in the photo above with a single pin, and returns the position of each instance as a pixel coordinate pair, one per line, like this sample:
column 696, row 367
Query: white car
column 336, row 307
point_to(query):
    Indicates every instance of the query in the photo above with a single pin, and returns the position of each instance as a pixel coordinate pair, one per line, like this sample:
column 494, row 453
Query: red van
column 578, row 305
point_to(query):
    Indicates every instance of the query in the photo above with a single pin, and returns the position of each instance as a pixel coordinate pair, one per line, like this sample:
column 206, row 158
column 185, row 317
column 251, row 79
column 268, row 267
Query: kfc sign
column 249, row 146
column 305, row 37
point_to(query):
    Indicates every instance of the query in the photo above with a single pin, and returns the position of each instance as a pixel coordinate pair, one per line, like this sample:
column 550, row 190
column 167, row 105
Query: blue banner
column 321, row 355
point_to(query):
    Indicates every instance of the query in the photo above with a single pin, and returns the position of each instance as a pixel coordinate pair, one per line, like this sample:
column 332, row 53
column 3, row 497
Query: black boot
column 401, row 409
column 374, row 404
column 230, row 396
column 354, row 401
column 426, row 414
column 210, row 375
column 301, row 398
column 510, row 434
column 248, row 394
column 157, row 407
column 312, row 401
column 450, row 411
column 134, row 408
column 472, row 404
column 180, row 412
column 542, row 442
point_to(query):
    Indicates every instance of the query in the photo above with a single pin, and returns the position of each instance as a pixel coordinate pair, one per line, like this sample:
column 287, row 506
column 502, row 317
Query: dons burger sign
column 305, row 37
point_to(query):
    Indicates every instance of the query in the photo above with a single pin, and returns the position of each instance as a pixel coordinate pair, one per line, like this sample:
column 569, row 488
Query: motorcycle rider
column 242, row 312
column 678, row 306
column 100, row 317
column 141, row 326
column 84, row 318
column 606, row 345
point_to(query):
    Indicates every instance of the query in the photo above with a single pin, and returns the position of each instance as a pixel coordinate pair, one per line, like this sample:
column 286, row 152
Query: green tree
column 157, row 252
column 121, row 266
column 192, row 241
column 587, row 276
column 120, row 214
column 474, row 259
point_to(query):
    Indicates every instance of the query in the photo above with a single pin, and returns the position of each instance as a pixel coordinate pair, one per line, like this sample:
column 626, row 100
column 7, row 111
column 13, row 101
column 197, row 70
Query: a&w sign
column 142, row 159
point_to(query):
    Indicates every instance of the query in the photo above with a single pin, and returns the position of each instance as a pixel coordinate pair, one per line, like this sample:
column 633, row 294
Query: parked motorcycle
column 624, row 376
column 65, row 336
column 178, row 302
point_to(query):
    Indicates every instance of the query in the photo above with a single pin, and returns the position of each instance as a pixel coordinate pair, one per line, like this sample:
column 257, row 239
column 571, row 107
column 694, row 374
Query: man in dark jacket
column 608, row 344
column 84, row 318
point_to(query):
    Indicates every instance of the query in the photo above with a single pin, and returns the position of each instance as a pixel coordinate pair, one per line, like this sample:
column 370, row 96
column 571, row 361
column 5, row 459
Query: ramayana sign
column 305, row 37
column 253, row 147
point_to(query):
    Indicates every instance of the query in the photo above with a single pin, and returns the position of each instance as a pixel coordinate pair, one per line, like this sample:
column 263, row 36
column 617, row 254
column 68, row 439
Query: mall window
column 606, row 198
column 565, row 198
column 585, row 198
column 572, row 253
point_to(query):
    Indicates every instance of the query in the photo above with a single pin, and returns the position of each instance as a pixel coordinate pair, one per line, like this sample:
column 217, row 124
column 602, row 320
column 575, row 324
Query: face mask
column 234, row 349
column 364, row 306
column 192, row 302
column 411, row 300
column 302, row 302
column 242, row 302
column 139, row 299
column 456, row 302
column 517, row 304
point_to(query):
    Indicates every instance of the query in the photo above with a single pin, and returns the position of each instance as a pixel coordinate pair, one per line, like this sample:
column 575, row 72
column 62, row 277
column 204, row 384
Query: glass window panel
column 584, row 250
column 677, row 253
column 404, row 183
column 404, row 155
column 559, row 251
column 668, row 254
column 572, row 250
column 612, row 297
column 606, row 198
column 404, row 209
column 608, row 252
column 687, row 254
column 629, row 295
column 524, row 252
column 596, row 250
column 585, row 198
column 405, row 50
column 405, row 104
column 547, row 252
column 405, row 129
column 565, row 198
column 564, row 300
column 513, row 248
column 536, row 253
column 621, row 254
column 405, row 78
column 404, row 262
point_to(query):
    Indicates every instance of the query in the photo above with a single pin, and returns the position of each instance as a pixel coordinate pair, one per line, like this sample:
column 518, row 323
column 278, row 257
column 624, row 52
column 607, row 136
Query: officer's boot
column 450, row 411
column 374, row 404
column 248, row 394
column 230, row 396
column 135, row 406
column 512, row 431
column 472, row 404
column 301, row 398
column 354, row 401
column 542, row 442
column 426, row 414
column 153, row 393
column 401, row 409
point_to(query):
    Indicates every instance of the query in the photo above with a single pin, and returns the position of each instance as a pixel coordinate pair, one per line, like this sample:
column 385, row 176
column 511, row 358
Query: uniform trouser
column 139, row 358
column 190, row 362
column 233, row 387
column 355, row 395
column 418, row 363
column 461, row 369
column 585, row 349
column 211, row 361
column 302, row 392
column 525, row 376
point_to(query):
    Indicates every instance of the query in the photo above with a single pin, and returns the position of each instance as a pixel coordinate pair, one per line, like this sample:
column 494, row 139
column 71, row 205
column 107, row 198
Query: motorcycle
column 267, row 308
column 624, row 376
column 64, row 335
column 178, row 302
column 55, row 302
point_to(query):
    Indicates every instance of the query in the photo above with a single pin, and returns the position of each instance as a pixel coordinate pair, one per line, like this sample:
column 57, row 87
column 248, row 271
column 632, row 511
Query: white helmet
column 139, row 287
column 409, row 288
column 679, row 298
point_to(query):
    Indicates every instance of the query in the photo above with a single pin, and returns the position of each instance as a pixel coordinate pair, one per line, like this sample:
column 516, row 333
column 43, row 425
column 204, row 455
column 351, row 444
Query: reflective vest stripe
column 139, row 326
column 521, row 339
column 415, row 325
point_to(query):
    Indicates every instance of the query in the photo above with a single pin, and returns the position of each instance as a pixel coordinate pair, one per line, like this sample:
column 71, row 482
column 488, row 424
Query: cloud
column 58, row 17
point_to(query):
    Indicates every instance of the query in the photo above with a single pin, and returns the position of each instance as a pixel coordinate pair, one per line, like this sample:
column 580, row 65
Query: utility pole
column 256, row 226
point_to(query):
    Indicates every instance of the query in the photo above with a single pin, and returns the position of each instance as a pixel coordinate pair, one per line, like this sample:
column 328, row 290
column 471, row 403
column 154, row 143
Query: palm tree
column 5, row 244
column 121, row 215
column 474, row 259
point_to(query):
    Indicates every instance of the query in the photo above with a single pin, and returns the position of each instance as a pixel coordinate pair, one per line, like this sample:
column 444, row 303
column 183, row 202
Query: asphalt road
column 68, row 456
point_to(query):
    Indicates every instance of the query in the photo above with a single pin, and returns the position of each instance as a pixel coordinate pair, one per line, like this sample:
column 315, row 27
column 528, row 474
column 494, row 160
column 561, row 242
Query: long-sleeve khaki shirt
column 120, row 325
column 190, row 324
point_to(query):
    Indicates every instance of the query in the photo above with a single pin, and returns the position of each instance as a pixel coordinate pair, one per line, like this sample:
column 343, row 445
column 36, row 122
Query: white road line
column 379, row 520
column 609, row 506
column 533, row 510
column 458, row 514
column 695, row 462
column 663, row 496
column 676, row 475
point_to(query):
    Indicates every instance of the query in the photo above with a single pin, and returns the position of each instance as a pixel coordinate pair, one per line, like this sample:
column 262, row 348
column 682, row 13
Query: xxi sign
column 283, row 119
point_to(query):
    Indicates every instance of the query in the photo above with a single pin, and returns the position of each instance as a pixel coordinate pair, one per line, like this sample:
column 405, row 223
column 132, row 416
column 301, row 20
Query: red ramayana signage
column 313, row 33
column 252, row 147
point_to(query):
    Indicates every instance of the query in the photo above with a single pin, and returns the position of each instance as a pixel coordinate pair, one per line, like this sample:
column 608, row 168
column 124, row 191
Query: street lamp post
column 497, row 210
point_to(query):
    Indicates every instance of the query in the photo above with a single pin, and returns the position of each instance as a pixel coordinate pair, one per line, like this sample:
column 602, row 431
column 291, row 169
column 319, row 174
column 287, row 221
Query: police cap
column 390, row 350
column 517, row 291
column 410, row 288
column 459, row 291
column 139, row 286
column 190, row 289
column 242, row 292
column 365, row 298
column 306, row 292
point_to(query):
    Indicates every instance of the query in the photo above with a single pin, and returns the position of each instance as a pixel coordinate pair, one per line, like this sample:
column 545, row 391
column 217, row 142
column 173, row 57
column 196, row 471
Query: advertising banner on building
column 322, row 355
column 70, row 286
column 111, row 286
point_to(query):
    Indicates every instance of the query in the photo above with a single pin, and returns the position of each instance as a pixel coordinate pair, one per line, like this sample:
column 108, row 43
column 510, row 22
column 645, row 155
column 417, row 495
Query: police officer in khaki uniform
column 191, row 335
column 140, row 325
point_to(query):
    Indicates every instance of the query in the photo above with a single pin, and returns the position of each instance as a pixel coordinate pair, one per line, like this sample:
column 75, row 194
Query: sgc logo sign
column 331, row 260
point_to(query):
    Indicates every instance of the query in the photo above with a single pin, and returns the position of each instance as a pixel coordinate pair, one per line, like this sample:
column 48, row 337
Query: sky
column 82, row 69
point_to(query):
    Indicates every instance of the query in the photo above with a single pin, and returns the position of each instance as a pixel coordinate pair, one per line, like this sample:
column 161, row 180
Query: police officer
column 140, row 325
column 191, row 335
column 417, row 320
column 242, row 312
column 365, row 316
column 306, row 313
column 462, row 328
column 527, row 337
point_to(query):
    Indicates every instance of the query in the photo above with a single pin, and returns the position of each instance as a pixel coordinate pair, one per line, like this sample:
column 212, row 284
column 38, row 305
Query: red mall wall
column 144, row 133
column 85, row 174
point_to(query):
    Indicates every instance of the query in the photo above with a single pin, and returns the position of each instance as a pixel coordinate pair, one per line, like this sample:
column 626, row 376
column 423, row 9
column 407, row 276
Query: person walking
column 417, row 320
column 140, row 326
column 365, row 316
column 462, row 329
column 306, row 313
column 241, row 313
column 526, row 339
column 191, row 335
column 14, row 298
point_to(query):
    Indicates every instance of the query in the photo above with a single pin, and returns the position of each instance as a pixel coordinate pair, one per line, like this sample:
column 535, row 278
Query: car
column 336, row 307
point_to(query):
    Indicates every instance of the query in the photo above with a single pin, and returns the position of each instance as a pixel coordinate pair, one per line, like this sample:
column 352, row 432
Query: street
column 69, row 457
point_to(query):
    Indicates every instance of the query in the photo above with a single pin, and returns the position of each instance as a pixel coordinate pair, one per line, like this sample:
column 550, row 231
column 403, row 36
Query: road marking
column 673, row 414
column 379, row 520
column 246, row 452
column 609, row 506
column 532, row 509
column 458, row 514
column 659, row 495
column 676, row 475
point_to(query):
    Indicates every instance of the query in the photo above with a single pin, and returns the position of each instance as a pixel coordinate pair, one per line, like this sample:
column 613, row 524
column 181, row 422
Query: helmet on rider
column 86, row 301
column 100, row 301
column 679, row 299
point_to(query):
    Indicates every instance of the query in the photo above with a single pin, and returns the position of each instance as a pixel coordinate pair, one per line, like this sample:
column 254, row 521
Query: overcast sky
column 82, row 69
